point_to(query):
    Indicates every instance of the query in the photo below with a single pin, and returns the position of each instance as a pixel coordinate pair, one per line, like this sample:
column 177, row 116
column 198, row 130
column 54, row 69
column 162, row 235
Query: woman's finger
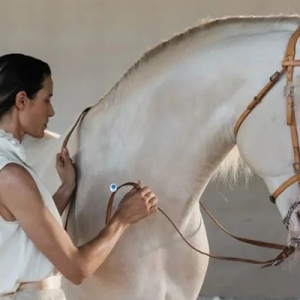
column 153, row 201
column 153, row 209
column 149, row 195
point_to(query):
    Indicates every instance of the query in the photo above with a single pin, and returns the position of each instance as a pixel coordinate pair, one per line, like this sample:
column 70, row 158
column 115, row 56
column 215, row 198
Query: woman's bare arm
column 62, row 197
column 20, row 195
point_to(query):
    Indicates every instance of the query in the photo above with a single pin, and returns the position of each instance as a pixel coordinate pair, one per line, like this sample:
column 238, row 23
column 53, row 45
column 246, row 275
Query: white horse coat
column 169, row 122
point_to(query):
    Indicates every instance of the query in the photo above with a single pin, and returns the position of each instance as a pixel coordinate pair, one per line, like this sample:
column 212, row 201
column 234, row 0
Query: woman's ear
column 21, row 99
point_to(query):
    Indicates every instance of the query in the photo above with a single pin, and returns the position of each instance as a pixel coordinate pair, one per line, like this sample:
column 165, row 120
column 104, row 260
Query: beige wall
column 90, row 44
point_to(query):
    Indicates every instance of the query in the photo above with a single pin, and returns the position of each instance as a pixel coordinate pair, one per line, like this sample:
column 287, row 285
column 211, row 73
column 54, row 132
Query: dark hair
column 19, row 72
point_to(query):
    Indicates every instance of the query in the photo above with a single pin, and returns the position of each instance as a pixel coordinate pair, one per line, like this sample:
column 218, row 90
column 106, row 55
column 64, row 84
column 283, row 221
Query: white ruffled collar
column 14, row 143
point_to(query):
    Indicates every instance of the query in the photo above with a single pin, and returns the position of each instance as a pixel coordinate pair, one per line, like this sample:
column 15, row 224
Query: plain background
column 90, row 44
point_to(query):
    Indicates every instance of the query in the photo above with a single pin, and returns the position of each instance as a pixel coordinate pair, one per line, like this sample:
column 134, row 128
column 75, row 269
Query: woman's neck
column 10, row 124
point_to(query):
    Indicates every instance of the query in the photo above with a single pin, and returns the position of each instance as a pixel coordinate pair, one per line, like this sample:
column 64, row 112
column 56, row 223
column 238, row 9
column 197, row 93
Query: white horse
column 169, row 122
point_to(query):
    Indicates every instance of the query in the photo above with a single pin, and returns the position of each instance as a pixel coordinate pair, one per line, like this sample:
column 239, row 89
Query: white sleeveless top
column 20, row 260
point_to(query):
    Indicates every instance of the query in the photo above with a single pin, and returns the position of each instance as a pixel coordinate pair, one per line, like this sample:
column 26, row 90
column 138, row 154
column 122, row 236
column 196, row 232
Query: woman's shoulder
column 11, row 151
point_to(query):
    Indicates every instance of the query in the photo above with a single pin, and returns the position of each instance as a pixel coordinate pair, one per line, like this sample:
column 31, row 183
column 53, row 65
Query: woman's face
column 35, row 116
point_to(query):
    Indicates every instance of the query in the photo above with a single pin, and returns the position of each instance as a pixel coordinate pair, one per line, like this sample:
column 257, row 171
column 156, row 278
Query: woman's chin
column 38, row 135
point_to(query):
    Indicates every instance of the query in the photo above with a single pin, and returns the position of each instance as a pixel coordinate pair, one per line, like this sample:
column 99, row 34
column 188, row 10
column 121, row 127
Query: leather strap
column 257, row 99
column 291, row 47
column 64, row 145
column 286, row 251
column 241, row 239
column 295, row 63
column 81, row 116
column 112, row 198
column 283, row 187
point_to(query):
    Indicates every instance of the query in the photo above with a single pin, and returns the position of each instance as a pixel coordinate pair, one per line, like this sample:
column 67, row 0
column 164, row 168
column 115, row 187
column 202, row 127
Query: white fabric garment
column 54, row 294
column 20, row 260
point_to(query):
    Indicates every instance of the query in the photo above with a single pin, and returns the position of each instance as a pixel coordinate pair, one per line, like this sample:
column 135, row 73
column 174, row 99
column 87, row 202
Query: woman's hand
column 65, row 169
column 137, row 205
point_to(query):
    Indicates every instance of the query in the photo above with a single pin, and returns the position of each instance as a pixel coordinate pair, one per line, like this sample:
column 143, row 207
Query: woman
column 34, row 247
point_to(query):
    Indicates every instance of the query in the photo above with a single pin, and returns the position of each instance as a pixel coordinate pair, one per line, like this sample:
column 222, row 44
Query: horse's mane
column 205, row 25
column 232, row 166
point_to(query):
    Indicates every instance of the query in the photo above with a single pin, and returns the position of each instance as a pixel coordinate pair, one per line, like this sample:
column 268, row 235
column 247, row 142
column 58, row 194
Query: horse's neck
column 175, row 114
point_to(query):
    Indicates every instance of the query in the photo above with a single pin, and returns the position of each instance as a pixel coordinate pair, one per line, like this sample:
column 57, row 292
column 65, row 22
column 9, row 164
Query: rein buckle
column 284, row 254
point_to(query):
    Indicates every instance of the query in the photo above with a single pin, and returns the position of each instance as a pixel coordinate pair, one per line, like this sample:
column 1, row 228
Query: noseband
column 288, row 65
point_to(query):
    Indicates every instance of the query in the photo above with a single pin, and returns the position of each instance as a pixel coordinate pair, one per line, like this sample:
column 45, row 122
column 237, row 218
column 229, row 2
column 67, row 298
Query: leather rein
column 288, row 65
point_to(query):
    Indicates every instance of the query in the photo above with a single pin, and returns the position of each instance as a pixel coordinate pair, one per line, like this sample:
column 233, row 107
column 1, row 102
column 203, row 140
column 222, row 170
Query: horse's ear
column 51, row 135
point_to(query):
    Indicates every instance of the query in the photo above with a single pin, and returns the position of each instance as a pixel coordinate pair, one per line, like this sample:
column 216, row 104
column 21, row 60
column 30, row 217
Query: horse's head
column 267, row 140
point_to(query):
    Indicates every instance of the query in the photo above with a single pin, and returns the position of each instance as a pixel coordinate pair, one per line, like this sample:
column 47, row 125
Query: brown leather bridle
column 288, row 65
